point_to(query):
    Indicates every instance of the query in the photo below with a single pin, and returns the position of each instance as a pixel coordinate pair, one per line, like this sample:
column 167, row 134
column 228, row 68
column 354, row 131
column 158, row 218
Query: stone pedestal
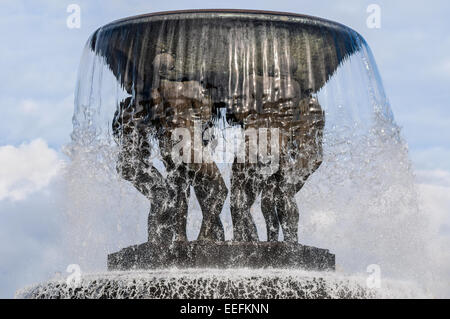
column 222, row 255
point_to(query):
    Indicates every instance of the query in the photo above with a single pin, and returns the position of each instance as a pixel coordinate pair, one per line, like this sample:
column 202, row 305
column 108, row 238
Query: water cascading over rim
column 215, row 43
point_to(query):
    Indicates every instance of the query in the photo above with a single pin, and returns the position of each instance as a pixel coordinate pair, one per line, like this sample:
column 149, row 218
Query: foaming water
column 361, row 203
column 223, row 284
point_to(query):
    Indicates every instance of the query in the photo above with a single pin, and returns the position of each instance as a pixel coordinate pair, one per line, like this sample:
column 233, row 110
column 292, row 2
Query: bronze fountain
column 254, row 70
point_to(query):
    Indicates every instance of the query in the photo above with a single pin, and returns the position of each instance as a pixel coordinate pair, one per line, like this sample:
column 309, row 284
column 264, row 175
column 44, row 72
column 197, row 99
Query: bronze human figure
column 172, row 104
column 278, row 102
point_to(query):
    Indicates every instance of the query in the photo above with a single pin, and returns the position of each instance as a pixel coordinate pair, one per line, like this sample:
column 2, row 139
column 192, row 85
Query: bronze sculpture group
column 275, row 101
column 191, row 78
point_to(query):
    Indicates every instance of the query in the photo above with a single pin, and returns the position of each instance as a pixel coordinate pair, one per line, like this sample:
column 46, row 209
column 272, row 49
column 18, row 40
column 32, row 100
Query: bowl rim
column 269, row 13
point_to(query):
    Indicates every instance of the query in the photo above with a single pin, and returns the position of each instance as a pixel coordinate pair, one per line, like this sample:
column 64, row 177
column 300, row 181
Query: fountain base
column 220, row 284
column 196, row 254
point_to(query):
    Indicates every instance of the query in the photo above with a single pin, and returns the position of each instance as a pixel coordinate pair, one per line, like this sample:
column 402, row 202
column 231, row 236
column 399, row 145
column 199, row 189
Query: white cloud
column 431, row 158
column 435, row 201
column 26, row 169
column 434, row 177
column 434, row 193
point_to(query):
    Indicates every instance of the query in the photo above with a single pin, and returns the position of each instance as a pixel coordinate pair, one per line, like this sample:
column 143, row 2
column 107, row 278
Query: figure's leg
column 244, row 189
column 287, row 209
column 169, row 203
column 269, row 210
column 158, row 195
column 288, row 214
column 286, row 206
column 172, row 205
column 177, row 203
column 211, row 193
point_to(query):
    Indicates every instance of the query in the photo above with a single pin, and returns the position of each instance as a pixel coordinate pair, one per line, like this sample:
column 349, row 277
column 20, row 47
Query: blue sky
column 39, row 58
